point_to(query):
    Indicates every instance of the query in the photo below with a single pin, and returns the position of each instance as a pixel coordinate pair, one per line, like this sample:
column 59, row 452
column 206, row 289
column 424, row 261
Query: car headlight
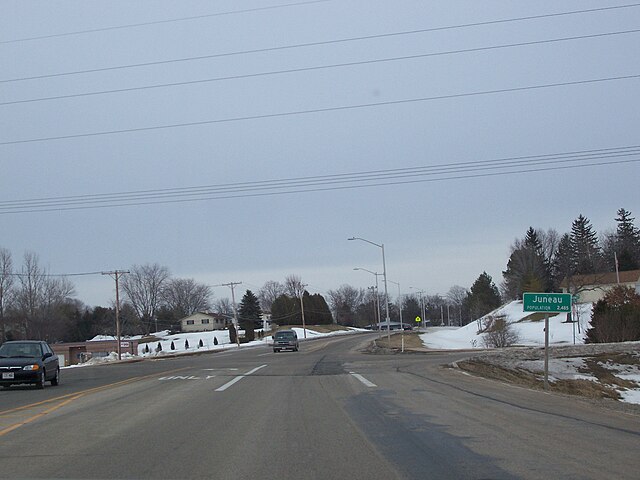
column 33, row 367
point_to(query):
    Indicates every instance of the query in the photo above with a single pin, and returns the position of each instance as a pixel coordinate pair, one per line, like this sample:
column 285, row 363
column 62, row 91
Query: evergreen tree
column 627, row 242
column 586, row 251
column 483, row 296
column 249, row 314
column 285, row 310
column 527, row 269
column 411, row 309
column 316, row 310
column 564, row 262
column 616, row 317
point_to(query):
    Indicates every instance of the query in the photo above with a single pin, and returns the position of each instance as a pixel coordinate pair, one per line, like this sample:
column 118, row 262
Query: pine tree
column 316, row 310
column 285, row 310
column 586, row 251
column 483, row 296
column 249, row 314
column 627, row 242
column 564, row 262
column 527, row 268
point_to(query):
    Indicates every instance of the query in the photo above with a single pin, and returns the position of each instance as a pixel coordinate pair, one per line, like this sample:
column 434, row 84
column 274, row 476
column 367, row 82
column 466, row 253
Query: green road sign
column 547, row 302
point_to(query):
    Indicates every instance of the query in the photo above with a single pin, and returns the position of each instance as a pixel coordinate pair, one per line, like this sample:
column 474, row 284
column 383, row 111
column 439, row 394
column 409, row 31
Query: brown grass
column 584, row 388
column 411, row 340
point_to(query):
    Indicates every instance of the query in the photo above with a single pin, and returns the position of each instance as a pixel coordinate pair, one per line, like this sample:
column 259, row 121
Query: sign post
column 547, row 303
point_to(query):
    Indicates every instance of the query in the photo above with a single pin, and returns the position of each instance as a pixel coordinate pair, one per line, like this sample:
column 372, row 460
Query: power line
column 366, row 176
column 15, row 274
column 319, row 43
column 157, row 22
column 323, row 110
column 445, row 172
column 323, row 67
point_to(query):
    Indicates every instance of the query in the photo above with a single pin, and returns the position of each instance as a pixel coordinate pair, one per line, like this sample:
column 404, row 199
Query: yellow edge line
column 66, row 399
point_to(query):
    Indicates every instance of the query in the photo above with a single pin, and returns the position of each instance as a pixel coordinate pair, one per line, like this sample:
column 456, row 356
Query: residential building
column 593, row 287
column 202, row 322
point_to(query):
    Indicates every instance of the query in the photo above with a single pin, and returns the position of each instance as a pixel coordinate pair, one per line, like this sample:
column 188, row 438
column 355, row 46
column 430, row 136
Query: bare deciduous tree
column 549, row 241
column 268, row 294
column 344, row 302
column 185, row 296
column 293, row 286
column 38, row 298
column 6, row 284
column 223, row 307
column 143, row 288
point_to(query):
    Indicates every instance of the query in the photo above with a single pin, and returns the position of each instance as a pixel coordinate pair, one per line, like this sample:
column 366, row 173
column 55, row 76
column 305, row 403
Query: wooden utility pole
column 232, row 285
column 116, row 275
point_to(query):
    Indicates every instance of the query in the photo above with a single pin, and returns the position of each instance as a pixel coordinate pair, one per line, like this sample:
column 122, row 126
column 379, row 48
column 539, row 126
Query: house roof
column 202, row 314
column 605, row 278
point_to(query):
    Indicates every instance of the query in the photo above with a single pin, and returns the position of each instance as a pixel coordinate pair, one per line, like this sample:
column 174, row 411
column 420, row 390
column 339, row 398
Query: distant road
column 326, row 412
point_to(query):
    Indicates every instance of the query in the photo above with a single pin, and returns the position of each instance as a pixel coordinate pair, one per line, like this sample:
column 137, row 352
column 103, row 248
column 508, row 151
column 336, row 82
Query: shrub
column 498, row 333
column 616, row 318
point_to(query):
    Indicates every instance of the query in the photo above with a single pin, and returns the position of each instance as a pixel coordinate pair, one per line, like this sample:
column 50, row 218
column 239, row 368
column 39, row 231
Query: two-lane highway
column 328, row 411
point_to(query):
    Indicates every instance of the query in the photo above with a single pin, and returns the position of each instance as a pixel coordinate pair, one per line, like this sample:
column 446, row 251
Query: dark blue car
column 28, row 361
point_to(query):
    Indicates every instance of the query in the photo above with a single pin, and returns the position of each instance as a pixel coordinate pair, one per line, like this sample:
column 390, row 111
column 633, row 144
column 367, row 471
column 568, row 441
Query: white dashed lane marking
column 238, row 378
column 366, row 382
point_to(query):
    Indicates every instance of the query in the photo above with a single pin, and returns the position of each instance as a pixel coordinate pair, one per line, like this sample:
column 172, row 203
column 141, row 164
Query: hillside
column 528, row 326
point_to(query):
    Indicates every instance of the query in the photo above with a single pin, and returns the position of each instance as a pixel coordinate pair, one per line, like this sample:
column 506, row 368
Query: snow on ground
column 184, row 343
column 531, row 333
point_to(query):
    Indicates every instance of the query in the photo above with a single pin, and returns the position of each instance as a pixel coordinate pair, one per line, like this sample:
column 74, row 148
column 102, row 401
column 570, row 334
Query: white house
column 591, row 288
column 202, row 322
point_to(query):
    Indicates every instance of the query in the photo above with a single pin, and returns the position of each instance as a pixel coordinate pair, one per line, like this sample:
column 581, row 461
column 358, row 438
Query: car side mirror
column 47, row 355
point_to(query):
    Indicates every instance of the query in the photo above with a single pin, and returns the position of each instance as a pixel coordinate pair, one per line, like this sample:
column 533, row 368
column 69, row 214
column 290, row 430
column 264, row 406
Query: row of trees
column 543, row 260
column 37, row 304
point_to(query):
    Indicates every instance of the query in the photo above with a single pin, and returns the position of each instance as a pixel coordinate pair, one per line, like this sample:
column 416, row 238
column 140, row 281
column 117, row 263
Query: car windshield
column 285, row 335
column 20, row 350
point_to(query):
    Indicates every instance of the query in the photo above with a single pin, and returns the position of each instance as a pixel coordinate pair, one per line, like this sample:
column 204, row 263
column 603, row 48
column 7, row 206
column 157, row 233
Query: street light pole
column 400, row 309
column 386, row 291
column 304, row 326
column 377, row 296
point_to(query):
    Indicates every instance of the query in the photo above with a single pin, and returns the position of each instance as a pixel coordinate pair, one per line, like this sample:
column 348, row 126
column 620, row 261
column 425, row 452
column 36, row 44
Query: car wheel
column 41, row 380
column 56, row 378
column 275, row 350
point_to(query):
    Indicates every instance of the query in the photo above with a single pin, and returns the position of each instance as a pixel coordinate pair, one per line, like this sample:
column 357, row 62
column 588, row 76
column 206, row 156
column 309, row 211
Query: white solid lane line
column 238, row 378
column 363, row 380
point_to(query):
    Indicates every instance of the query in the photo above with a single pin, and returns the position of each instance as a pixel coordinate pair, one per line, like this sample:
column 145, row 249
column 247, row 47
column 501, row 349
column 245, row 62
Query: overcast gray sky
column 298, row 89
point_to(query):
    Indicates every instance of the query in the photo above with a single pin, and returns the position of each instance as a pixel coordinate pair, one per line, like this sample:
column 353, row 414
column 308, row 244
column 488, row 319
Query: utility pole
column 115, row 274
column 232, row 286
column 304, row 326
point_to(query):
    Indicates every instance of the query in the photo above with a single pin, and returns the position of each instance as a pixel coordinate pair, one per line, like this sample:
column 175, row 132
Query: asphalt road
column 328, row 411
